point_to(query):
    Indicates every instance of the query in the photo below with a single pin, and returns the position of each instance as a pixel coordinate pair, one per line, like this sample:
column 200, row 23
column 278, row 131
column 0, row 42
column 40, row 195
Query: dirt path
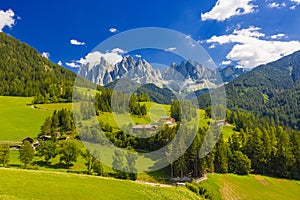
column 154, row 184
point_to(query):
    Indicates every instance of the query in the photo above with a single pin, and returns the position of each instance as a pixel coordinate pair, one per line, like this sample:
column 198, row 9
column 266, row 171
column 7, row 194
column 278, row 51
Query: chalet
column 15, row 147
column 28, row 139
column 145, row 127
column 221, row 123
column 168, row 120
column 45, row 137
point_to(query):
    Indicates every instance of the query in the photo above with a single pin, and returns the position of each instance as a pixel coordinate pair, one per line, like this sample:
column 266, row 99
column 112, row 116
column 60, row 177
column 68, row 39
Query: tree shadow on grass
column 49, row 165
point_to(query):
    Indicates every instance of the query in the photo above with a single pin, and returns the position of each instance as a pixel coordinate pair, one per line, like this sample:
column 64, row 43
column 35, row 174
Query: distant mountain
column 139, row 71
column 189, row 77
column 230, row 73
column 24, row 72
column 268, row 90
column 183, row 77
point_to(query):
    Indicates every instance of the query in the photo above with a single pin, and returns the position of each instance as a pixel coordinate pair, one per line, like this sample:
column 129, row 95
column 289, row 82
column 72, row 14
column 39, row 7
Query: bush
column 192, row 187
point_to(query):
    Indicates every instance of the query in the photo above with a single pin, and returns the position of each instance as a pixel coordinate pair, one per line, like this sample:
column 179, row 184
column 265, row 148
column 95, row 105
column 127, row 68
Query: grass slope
column 19, row 120
column 25, row 184
column 251, row 187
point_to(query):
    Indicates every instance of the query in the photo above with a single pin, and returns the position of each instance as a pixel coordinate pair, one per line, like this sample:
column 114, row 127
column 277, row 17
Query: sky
column 244, row 33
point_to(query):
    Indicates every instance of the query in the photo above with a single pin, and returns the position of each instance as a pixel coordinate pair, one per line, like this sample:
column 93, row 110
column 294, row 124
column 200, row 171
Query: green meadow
column 250, row 187
column 18, row 120
column 28, row 184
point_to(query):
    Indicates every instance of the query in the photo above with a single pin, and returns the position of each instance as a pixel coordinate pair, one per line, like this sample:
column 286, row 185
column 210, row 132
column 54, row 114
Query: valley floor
column 28, row 184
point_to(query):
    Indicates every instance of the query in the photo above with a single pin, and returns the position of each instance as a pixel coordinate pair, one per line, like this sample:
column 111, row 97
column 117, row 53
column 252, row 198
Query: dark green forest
column 24, row 72
column 269, row 90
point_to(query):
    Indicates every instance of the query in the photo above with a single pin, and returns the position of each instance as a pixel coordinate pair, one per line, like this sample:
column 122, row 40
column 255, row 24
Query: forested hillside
column 24, row 72
column 268, row 90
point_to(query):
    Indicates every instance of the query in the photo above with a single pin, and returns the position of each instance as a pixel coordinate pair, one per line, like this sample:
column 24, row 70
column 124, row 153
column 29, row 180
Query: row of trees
column 258, row 145
column 59, row 125
column 122, row 102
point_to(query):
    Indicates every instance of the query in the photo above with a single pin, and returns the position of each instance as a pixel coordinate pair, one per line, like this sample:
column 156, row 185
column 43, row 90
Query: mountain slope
column 156, row 94
column 268, row 90
column 24, row 72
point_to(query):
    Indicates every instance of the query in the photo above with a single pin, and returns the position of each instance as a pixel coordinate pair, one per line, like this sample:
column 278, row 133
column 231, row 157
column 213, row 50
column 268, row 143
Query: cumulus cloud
column 113, row 30
column 277, row 5
column 225, row 9
column 138, row 55
column 226, row 62
column 190, row 41
column 112, row 57
column 46, row 55
column 6, row 19
column 76, row 42
column 293, row 7
column 59, row 63
column 171, row 49
column 251, row 47
column 73, row 64
column 278, row 36
column 94, row 58
column 296, row 1
column 212, row 46
column 118, row 51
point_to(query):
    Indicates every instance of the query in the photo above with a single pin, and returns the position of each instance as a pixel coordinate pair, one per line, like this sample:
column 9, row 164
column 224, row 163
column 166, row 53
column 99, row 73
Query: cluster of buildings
column 165, row 120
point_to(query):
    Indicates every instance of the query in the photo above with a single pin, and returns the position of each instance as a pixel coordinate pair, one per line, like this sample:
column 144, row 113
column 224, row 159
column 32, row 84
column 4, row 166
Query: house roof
column 165, row 117
column 144, row 126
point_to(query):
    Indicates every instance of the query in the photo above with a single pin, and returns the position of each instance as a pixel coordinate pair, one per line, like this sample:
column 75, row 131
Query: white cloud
column 277, row 5
column 113, row 30
column 278, row 36
column 46, row 55
column 118, row 51
column 251, row 50
column 293, row 7
column 171, row 49
column 73, row 64
column 76, row 42
column 59, row 63
column 112, row 57
column 138, row 55
column 296, row 1
column 225, row 9
column 6, row 19
column 190, row 41
column 212, row 46
column 226, row 62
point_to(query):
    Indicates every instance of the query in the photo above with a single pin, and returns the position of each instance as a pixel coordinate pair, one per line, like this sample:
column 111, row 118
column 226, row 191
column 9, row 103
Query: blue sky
column 239, row 32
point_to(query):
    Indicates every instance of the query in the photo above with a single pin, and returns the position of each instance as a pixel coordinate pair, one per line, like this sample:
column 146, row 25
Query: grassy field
column 19, row 120
column 54, row 106
column 251, row 187
column 26, row 184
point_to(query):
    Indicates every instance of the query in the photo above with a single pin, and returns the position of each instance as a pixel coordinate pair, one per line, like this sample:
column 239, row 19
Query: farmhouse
column 28, row 139
column 145, row 127
column 45, row 137
column 221, row 123
column 168, row 120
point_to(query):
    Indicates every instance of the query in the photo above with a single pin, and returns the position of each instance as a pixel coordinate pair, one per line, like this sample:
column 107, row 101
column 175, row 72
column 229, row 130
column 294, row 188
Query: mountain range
column 183, row 77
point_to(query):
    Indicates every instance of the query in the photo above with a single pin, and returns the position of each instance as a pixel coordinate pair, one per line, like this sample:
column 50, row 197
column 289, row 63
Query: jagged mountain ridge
column 178, row 77
column 104, row 73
